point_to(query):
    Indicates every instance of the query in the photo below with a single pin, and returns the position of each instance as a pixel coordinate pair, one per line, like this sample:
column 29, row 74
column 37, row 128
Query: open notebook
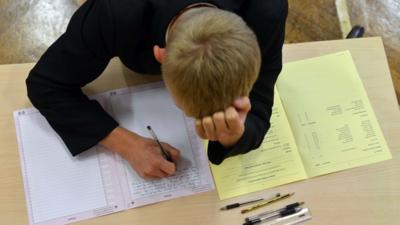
column 62, row 189
column 322, row 122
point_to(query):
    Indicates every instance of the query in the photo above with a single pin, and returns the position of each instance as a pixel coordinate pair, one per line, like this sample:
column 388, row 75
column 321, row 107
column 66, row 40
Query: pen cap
column 232, row 206
column 294, row 205
column 288, row 212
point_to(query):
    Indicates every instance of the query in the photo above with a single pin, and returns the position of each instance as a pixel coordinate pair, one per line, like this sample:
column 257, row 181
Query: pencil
column 267, row 203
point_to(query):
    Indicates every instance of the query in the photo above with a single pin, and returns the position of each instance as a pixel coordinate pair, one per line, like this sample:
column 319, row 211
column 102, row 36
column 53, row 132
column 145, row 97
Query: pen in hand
column 165, row 154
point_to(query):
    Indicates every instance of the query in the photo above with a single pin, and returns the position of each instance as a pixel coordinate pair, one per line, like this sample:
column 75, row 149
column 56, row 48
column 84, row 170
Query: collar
column 165, row 11
column 192, row 6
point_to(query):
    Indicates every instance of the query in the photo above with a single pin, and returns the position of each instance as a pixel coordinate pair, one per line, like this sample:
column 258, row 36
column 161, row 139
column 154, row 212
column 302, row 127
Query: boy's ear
column 159, row 53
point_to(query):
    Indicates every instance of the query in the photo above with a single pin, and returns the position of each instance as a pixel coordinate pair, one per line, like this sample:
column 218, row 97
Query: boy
column 219, row 59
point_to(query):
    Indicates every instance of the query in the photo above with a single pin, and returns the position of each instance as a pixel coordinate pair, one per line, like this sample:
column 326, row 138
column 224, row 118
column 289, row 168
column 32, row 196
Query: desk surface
column 364, row 195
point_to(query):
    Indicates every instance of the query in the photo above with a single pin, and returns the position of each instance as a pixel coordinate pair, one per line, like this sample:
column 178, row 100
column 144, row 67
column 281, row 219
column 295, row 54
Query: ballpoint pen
column 165, row 154
column 290, row 206
column 267, row 203
column 235, row 205
column 280, row 214
column 293, row 219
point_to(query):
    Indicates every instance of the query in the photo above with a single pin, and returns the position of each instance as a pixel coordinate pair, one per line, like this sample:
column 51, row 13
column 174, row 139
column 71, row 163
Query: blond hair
column 212, row 58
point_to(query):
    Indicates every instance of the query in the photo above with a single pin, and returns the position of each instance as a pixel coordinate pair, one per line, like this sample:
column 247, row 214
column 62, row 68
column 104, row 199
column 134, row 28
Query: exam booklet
column 61, row 189
column 322, row 122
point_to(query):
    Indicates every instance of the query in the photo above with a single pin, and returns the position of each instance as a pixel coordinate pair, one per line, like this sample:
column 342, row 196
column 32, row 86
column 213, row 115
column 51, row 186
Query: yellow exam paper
column 330, row 115
column 276, row 162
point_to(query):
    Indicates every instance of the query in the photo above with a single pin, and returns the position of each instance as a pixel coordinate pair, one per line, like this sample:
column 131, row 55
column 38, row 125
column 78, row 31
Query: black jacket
column 128, row 29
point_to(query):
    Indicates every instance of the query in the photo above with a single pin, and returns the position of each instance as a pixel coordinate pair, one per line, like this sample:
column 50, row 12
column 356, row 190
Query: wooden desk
column 365, row 195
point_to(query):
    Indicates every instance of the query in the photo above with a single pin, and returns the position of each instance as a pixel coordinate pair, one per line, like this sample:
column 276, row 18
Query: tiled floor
column 28, row 27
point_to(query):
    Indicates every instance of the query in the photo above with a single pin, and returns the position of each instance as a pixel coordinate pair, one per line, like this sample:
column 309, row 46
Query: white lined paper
column 58, row 184
column 62, row 189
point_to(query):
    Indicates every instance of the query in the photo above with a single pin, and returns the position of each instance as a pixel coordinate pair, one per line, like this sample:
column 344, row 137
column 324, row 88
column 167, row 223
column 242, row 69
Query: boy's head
column 212, row 57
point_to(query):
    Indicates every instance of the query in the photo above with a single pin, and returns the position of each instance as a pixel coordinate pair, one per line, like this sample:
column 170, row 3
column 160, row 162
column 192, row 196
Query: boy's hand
column 227, row 126
column 143, row 154
column 148, row 161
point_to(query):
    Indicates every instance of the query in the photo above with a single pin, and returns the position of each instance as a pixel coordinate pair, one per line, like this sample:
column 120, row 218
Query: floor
column 28, row 27
column 381, row 18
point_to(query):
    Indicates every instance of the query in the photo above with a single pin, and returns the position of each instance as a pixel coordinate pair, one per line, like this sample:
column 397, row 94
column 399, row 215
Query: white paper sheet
column 61, row 189
column 57, row 183
column 135, row 109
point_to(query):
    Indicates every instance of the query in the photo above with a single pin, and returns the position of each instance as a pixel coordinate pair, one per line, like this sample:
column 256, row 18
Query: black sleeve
column 78, row 57
column 262, row 95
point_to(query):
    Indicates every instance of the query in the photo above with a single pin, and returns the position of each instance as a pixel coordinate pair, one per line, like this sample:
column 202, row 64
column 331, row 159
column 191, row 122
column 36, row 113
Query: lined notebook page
column 56, row 183
column 137, row 108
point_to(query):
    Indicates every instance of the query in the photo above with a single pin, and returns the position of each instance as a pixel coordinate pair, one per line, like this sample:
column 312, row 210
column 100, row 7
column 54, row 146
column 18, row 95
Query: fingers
column 209, row 128
column 232, row 119
column 152, row 170
column 242, row 104
column 158, row 168
column 200, row 129
column 220, row 123
column 226, row 126
column 156, row 174
column 166, row 166
column 154, row 165
column 173, row 152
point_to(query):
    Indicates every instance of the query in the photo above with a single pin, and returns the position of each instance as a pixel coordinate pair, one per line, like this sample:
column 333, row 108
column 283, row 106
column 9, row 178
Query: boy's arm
column 261, row 97
column 75, row 59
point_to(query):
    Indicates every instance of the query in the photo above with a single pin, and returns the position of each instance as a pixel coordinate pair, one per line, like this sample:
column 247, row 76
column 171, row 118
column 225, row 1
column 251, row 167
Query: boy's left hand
column 226, row 126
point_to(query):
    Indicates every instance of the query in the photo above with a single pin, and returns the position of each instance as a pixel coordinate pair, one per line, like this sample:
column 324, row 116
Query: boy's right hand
column 143, row 154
